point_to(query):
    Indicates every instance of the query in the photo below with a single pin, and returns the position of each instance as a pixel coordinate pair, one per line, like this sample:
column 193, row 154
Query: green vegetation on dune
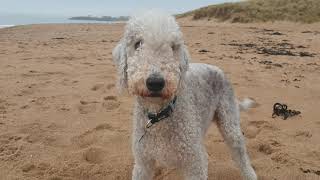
column 307, row 11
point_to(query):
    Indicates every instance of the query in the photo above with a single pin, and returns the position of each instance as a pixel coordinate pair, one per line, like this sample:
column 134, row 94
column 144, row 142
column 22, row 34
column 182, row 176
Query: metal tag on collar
column 149, row 124
column 152, row 119
column 171, row 105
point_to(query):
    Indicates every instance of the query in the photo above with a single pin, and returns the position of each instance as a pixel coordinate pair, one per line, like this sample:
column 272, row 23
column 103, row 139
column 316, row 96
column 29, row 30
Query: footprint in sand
column 9, row 147
column 283, row 158
column 28, row 89
column 110, row 86
column 110, row 103
column 251, row 132
column 94, row 155
column 28, row 167
column 68, row 82
column 45, row 138
column 261, row 124
column 97, row 87
column 307, row 170
column 86, row 107
column 41, row 102
column 267, row 147
column 38, row 168
column 254, row 127
column 90, row 137
column 303, row 134
column 25, row 107
column 104, row 126
column 103, row 87
column 36, row 133
column 88, row 64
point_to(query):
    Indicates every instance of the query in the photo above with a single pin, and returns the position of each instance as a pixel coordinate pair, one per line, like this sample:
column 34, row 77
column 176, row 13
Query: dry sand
column 62, row 119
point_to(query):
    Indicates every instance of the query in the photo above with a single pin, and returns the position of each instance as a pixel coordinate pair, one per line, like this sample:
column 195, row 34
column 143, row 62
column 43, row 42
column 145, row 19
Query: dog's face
column 151, row 57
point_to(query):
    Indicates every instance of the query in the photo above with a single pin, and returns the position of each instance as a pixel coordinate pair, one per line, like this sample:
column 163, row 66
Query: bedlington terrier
column 175, row 102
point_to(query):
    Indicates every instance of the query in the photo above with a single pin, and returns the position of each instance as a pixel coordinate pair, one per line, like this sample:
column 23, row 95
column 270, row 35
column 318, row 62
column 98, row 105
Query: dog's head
column 151, row 58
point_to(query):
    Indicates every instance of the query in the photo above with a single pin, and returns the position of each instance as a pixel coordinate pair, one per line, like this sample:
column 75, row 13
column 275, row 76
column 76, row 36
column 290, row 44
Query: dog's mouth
column 166, row 93
column 155, row 94
column 150, row 94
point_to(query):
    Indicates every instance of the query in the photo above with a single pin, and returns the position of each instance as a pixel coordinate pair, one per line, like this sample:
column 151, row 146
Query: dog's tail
column 246, row 103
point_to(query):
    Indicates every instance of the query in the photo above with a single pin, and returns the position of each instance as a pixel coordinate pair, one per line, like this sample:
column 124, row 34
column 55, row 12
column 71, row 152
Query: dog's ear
column 185, row 57
column 120, row 59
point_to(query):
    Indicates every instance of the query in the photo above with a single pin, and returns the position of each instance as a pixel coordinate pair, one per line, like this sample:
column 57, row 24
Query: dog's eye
column 138, row 45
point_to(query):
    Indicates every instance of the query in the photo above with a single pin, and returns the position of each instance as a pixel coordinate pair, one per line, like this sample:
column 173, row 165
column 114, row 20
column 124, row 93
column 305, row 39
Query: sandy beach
column 61, row 117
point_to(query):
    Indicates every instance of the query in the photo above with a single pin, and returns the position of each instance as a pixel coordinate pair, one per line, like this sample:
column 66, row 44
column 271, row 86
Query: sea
column 14, row 20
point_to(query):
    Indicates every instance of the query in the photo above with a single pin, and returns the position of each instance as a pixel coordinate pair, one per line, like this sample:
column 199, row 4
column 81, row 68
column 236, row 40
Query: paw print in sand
column 110, row 103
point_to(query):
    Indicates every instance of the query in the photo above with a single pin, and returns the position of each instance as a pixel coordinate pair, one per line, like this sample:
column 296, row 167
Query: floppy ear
column 120, row 59
column 184, row 65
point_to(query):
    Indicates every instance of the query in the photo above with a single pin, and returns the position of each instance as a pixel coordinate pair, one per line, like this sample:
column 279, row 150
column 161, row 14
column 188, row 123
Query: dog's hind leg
column 228, row 121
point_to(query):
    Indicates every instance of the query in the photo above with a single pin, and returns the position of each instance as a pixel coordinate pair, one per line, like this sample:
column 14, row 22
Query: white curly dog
column 175, row 102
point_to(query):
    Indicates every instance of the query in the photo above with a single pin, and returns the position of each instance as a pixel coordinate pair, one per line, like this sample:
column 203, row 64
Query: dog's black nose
column 155, row 82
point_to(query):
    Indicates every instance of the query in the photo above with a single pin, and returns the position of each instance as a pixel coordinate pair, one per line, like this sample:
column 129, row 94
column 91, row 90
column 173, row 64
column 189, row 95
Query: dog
column 175, row 101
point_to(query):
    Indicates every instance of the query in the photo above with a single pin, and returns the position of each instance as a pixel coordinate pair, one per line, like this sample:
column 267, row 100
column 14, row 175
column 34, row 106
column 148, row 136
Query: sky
column 98, row 7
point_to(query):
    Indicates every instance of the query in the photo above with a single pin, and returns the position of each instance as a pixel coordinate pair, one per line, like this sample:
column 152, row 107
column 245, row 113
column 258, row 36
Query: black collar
column 164, row 113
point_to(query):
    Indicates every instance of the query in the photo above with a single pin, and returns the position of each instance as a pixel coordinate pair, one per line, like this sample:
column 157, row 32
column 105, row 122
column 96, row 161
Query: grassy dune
column 306, row 11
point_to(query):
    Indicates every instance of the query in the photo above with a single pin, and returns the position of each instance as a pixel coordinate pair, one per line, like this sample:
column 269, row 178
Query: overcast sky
column 98, row 7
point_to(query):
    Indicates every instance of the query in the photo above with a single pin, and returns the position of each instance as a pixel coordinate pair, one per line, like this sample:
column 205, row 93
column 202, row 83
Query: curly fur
column 153, row 43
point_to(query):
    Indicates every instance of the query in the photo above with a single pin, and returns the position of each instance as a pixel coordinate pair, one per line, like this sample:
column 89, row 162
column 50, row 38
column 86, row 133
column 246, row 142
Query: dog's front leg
column 196, row 165
column 143, row 171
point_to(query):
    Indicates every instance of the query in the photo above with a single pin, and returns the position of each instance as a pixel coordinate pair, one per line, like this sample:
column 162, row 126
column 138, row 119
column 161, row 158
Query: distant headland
column 102, row 18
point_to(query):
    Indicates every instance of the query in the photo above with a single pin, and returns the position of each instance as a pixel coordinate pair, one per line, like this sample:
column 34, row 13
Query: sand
column 61, row 117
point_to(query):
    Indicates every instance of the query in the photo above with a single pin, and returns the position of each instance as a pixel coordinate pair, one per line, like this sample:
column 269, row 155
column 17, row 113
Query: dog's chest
column 164, row 143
